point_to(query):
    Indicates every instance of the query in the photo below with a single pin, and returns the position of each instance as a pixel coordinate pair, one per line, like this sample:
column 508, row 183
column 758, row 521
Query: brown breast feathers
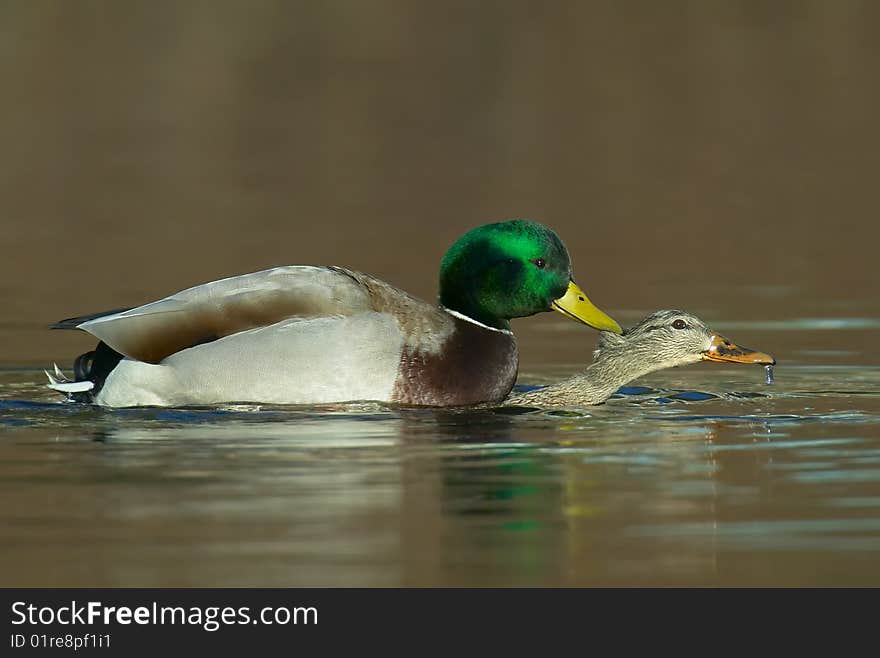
column 474, row 365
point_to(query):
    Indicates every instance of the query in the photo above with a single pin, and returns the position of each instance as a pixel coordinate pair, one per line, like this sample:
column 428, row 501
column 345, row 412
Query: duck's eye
column 679, row 324
column 540, row 263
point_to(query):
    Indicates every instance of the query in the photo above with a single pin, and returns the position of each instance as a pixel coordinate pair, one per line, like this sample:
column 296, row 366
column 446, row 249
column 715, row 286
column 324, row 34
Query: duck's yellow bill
column 721, row 349
column 574, row 304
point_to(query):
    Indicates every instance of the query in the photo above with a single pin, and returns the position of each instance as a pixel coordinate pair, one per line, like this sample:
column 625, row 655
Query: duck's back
column 300, row 334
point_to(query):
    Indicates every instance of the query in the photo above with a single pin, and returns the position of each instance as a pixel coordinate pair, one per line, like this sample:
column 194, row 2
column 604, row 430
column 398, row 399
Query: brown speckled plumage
column 651, row 345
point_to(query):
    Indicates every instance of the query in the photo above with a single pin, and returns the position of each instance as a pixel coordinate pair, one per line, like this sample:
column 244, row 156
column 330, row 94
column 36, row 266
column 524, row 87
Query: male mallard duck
column 664, row 339
column 304, row 334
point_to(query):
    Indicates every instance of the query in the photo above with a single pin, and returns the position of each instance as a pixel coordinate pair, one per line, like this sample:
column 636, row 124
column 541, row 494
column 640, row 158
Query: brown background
column 717, row 156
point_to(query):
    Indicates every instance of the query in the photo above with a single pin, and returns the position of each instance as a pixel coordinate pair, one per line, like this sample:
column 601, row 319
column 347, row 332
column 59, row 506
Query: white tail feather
column 72, row 387
column 58, row 381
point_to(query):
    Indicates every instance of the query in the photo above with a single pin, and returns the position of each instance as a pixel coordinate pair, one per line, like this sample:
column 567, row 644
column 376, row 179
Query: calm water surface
column 697, row 476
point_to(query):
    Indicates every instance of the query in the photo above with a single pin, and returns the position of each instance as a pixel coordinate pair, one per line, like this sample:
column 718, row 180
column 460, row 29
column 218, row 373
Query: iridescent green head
column 510, row 270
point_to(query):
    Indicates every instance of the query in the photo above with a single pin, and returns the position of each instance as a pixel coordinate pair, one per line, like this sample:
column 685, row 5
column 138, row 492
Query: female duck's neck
column 581, row 390
column 598, row 383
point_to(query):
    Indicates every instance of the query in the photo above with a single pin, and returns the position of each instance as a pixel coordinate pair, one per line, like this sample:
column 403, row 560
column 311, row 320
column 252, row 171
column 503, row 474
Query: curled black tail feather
column 95, row 367
column 82, row 367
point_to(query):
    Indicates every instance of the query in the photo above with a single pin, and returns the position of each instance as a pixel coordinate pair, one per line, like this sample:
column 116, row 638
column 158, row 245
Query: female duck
column 664, row 339
column 304, row 334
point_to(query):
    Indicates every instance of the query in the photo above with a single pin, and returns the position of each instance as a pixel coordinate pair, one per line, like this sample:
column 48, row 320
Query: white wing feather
column 221, row 308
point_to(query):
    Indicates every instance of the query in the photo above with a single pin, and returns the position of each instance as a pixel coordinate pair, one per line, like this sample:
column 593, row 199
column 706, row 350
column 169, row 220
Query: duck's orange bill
column 722, row 349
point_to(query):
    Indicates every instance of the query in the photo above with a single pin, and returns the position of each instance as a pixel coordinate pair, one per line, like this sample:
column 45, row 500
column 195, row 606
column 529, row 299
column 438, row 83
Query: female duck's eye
column 679, row 324
column 540, row 263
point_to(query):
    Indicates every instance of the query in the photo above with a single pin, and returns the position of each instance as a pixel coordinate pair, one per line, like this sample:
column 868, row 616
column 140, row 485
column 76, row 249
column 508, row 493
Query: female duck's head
column 664, row 339
column 670, row 338
column 510, row 270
